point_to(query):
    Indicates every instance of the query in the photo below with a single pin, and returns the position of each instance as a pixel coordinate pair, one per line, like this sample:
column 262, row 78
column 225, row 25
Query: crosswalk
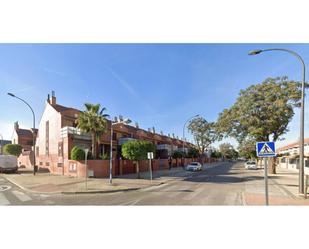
column 9, row 197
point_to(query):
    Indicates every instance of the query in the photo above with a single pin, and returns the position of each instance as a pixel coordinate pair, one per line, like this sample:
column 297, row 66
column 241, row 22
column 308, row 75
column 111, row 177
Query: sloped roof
column 291, row 145
column 25, row 132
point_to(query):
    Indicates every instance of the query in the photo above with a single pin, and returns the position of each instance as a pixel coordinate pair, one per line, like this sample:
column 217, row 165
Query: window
column 283, row 160
column 47, row 164
column 307, row 163
column 60, row 149
column 114, row 136
column 47, row 139
column 60, row 165
column 292, row 161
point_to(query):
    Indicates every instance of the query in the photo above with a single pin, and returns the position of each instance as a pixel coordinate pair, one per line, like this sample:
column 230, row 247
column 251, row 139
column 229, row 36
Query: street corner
column 252, row 199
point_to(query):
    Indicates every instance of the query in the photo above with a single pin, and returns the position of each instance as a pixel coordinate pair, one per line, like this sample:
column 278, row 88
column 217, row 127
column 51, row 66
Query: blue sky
column 158, row 85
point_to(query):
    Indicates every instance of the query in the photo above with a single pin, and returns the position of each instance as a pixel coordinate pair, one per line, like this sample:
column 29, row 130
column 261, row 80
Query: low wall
column 25, row 160
column 100, row 168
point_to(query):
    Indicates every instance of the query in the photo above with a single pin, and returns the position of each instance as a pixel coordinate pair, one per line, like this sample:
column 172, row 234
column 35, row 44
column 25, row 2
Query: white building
column 289, row 156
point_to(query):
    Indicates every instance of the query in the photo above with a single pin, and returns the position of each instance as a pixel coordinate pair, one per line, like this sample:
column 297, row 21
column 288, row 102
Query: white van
column 8, row 163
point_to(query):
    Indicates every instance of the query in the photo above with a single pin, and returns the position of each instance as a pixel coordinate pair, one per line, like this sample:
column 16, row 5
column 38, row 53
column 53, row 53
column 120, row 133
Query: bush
column 177, row 154
column 105, row 156
column 77, row 153
column 12, row 149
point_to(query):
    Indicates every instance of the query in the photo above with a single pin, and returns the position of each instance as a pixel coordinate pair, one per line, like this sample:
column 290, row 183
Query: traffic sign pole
column 266, row 181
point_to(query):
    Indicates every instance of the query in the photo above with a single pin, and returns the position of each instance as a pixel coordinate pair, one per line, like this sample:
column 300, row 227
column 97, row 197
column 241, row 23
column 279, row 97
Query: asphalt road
column 220, row 185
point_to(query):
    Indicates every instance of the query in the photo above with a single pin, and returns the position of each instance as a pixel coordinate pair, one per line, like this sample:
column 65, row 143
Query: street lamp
column 126, row 121
column 302, row 115
column 33, row 132
column 183, row 138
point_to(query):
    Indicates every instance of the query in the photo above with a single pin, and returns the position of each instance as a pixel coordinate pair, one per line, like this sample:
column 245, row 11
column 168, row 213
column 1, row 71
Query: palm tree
column 93, row 121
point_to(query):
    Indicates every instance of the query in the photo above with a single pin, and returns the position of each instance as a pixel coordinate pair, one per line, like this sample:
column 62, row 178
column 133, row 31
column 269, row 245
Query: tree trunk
column 272, row 165
column 93, row 151
column 137, row 170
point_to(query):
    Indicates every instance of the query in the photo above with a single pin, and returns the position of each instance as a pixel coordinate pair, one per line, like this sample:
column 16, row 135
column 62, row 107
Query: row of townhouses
column 289, row 156
column 57, row 134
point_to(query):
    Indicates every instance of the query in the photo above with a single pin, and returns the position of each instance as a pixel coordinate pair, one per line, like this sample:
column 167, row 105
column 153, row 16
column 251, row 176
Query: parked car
column 8, row 163
column 250, row 165
column 194, row 166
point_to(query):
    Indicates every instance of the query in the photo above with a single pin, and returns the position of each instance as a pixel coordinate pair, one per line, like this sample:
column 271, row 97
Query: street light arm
column 288, row 51
column 29, row 107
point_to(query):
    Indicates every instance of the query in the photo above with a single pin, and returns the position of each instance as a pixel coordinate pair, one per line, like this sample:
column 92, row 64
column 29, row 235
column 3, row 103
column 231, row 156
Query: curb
column 98, row 191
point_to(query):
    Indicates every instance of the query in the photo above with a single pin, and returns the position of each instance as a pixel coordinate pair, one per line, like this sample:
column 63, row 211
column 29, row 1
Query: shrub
column 105, row 156
column 177, row 154
column 77, row 153
column 12, row 149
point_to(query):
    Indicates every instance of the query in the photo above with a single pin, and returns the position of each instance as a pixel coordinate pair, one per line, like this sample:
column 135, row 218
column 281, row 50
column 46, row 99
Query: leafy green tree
column 227, row 151
column 193, row 153
column 247, row 149
column 137, row 150
column 203, row 133
column 12, row 149
column 178, row 154
column 262, row 111
column 216, row 154
column 93, row 121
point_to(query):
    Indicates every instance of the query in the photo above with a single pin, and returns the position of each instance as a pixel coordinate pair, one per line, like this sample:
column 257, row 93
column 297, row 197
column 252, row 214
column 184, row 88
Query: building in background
column 288, row 156
column 23, row 137
column 58, row 134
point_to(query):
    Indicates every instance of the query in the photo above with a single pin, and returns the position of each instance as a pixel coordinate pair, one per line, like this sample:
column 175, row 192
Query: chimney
column 161, row 133
column 149, row 129
column 52, row 100
column 48, row 97
column 153, row 130
column 116, row 119
column 173, row 135
column 136, row 125
column 16, row 126
column 120, row 118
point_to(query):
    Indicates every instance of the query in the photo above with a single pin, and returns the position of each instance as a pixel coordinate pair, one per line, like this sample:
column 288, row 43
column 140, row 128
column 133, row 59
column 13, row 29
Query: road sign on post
column 266, row 149
column 150, row 156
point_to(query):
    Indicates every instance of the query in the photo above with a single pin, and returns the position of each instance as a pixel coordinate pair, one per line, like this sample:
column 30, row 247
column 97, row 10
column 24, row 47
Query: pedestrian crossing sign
column 265, row 149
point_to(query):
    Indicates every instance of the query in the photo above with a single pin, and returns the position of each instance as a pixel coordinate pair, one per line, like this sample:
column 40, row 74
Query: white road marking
column 4, row 187
column 21, row 196
column 3, row 200
column 130, row 203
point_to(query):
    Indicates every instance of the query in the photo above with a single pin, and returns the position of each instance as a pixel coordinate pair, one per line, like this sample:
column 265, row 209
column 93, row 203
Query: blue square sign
column 265, row 149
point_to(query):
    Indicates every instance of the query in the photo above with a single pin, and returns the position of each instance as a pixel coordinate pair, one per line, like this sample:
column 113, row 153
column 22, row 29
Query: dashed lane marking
column 3, row 200
column 21, row 196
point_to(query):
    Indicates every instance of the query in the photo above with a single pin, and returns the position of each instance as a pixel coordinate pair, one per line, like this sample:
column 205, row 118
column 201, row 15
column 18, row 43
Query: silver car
column 250, row 165
column 194, row 166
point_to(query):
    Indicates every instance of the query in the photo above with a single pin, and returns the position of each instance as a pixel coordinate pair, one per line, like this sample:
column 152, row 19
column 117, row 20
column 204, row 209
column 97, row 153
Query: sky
column 160, row 85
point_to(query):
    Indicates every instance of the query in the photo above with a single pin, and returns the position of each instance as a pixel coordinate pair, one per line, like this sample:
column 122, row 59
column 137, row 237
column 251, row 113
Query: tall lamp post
column 302, row 115
column 126, row 121
column 33, row 132
column 183, row 138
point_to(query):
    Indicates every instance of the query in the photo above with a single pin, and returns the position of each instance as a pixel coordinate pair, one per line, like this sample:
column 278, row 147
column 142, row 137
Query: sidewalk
column 58, row 184
column 283, row 189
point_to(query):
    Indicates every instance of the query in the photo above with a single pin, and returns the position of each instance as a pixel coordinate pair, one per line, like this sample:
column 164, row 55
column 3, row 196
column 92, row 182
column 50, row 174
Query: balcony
column 123, row 140
column 75, row 132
